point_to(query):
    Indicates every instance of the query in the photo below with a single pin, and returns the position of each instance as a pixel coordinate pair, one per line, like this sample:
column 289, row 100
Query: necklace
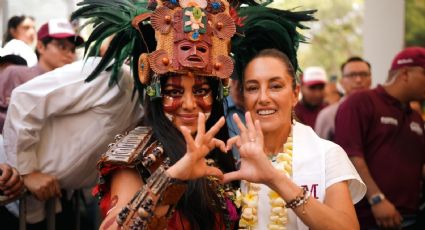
column 249, row 199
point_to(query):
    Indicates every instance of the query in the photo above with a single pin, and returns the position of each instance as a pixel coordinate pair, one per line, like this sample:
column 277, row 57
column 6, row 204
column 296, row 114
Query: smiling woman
column 164, row 174
column 184, row 97
column 296, row 180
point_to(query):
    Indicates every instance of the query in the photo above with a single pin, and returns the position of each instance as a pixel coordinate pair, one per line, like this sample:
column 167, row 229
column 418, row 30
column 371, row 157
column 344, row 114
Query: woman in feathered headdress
column 165, row 174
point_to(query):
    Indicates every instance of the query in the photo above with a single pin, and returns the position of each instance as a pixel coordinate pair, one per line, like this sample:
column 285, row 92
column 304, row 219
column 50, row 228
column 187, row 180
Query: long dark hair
column 196, row 204
column 13, row 23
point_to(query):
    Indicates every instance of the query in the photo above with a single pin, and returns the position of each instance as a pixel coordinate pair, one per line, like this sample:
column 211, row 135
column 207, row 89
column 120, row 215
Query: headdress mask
column 192, row 36
column 187, row 36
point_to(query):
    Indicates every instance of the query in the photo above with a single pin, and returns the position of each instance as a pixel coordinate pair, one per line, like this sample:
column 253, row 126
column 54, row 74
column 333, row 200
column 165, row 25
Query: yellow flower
column 277, row 202
column 250, row 199
column 238, row 200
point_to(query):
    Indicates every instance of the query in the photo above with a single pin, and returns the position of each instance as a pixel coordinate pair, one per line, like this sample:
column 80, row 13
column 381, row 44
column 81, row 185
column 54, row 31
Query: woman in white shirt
column 296, row 179
column 20, row 37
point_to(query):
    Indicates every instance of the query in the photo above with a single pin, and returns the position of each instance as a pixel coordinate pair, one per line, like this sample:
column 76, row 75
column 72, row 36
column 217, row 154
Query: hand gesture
column 42, row 186
column 386, row 215
column 192, row 165
column 11, row 183
column 255, row 165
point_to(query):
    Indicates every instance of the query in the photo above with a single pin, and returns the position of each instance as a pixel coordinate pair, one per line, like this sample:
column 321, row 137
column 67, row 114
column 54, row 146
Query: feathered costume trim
column 266, row 28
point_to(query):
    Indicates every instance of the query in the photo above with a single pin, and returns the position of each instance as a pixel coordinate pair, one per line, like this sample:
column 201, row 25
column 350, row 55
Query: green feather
column 268, row 28
column 112, row 17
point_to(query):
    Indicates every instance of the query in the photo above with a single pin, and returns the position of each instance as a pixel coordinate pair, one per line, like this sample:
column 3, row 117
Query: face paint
column 203, row 94
column 184, row 97
column 172, row 95
column 169, row 117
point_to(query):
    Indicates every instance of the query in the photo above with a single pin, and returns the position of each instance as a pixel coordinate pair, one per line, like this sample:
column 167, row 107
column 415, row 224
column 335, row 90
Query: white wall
column 383, row 32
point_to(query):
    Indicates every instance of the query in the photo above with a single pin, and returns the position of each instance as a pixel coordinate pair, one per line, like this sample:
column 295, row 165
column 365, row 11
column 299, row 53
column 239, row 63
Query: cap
column 314, row 75
column 411, row 56
column 59, row 28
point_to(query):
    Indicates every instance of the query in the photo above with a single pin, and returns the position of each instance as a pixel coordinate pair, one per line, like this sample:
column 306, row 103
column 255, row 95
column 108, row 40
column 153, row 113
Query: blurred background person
column 56, row 46
column 234, row 104
column 332, row 91
column 20, row 37
column 313, row 95
column 11, row 59
column 356, row 75
column 385, row 140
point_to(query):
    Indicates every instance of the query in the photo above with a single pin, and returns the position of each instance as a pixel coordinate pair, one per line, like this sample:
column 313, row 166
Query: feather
column 113, row 17
column 264, row 28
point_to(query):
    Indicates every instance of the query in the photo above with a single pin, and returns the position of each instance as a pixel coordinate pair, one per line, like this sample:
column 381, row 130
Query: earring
column 154, row 89
column 293, row 116
column 223, row 91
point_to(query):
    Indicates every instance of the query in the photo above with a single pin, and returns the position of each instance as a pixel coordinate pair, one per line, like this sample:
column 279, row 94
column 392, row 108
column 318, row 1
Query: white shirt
column 59, row 125
column 20, row 48
column 325, row 121
column 320, row 154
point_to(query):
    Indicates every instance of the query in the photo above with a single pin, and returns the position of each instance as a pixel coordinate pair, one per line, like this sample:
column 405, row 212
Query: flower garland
column 249, row 200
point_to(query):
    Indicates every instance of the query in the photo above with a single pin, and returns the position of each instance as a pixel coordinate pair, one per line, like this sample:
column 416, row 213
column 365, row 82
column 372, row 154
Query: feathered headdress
column 266, row 28
column 158, row 37
column 190, row 36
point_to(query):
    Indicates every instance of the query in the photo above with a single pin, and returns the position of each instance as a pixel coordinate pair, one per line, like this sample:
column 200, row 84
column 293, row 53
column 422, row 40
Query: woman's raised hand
column 255, row 166
column 192, row 165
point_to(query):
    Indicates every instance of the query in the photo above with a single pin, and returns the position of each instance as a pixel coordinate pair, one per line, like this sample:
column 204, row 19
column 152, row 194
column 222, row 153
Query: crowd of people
column 189, row 115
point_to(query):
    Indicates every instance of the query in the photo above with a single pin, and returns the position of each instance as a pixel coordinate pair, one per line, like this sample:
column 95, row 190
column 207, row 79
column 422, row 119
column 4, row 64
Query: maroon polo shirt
column 307, row 114
column 391, row 138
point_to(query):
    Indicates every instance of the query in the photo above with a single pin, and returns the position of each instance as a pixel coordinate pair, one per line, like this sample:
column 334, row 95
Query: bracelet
column 300, row 199
column 138, row 212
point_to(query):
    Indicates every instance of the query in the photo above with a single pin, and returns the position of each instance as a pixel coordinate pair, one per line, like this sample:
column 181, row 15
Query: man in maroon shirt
column 313, row 95
column 386, row 142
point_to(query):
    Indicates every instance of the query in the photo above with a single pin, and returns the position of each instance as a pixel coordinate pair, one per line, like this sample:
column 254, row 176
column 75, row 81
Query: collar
column 392, row 100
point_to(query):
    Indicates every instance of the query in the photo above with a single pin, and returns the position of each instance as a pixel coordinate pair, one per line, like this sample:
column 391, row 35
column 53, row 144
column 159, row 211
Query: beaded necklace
column 249, row 199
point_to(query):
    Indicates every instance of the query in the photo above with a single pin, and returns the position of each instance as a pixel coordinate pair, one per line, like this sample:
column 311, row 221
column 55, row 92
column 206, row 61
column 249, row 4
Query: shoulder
column 13, row 72
column 61, row 77
column 131, row 149
column 14, row 44
column 328, row 112
column 359, row 98
column 339, row 168
column 361, row 103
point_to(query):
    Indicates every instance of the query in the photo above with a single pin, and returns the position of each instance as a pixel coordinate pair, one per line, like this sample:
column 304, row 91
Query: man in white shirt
column 57, row 126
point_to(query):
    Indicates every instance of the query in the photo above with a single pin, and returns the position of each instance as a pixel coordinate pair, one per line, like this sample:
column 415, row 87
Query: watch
column 376, row 199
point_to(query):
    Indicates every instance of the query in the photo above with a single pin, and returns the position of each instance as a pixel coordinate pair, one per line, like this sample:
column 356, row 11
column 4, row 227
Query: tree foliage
column 336, row 35
column 415, row 23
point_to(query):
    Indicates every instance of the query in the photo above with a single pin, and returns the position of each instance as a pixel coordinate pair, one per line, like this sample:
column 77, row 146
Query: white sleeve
column 339, row 168
column 56, row 93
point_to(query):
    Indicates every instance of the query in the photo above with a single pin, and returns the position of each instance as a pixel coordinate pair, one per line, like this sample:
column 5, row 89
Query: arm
column 337, row 211
column 56, row 93
column 352, row 124
column 11, row 183
column 385, row 212
column 127, row 184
